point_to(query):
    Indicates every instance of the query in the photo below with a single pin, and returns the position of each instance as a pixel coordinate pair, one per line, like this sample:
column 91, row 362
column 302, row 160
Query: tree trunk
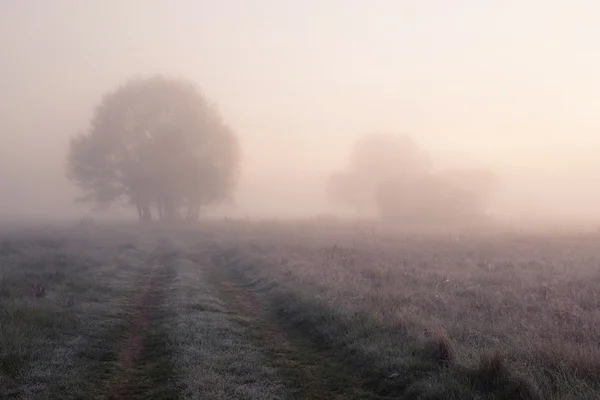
column 139, row 210
column 193, row 212
column 145, row 211
column 169, row 211
column 161, row 210
column 146, row 214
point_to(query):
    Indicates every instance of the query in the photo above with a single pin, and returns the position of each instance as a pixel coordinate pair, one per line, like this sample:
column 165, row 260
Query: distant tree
column 374, row 159
column 436, row 198
column 391, row 176
column 155, row 143
column 443, row 198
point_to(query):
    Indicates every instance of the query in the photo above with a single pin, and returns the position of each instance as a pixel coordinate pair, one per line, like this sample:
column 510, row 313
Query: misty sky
column 510, row 85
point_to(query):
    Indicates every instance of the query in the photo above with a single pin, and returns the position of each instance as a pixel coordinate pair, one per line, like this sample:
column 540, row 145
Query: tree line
column 159, row 145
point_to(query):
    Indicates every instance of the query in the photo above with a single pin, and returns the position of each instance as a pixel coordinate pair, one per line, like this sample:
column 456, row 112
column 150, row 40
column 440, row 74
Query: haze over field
column 507, row 86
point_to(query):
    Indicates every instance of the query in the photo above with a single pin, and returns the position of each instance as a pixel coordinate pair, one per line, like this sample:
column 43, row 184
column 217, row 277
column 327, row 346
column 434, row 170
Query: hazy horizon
column 507, row 85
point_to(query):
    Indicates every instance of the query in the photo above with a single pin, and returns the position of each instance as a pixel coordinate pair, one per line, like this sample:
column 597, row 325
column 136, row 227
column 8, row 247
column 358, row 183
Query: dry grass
column 416, row 317
column 62, row 296
column 392, row 305
column 214, row 353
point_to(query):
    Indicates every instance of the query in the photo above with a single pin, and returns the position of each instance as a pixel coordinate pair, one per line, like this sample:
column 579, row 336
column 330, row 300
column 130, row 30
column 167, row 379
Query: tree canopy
column 155, row 143
column 392, row 176
column 375, row 158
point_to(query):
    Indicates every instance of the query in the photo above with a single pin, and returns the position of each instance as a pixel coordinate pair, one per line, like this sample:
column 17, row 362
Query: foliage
column 157, row 143
column 375, row 158
column 393, row 176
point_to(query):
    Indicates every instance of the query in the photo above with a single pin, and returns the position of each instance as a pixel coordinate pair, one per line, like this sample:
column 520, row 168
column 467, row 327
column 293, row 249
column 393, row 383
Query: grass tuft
column 493, row 375
column 439, row 348
column 492, row 372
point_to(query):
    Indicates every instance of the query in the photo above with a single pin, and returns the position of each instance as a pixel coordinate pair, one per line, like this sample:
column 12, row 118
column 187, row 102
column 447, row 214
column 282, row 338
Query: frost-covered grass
column 503, row 314
column 427, row 317
column 212, row 346
column 61, row 309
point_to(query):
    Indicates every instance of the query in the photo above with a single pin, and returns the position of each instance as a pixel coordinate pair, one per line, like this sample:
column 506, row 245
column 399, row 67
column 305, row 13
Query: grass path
column 308, row 371
column 355, row 356
column 140, row 352
column 129, row 314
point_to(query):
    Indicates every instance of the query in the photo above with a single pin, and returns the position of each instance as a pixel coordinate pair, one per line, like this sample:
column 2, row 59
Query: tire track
column 130, row 377
column 310, row 373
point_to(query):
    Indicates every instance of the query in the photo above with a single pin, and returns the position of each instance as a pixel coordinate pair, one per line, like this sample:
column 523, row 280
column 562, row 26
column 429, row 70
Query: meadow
column 232, row 310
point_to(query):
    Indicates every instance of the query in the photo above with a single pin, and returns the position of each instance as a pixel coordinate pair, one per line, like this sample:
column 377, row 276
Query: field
column 236, row 310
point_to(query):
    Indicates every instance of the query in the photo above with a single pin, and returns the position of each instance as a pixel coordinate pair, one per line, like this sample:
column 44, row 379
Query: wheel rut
column 309, row 372
column 139, row 351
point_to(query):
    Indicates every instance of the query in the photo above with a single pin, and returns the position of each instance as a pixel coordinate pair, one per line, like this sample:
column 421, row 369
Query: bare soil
column 124, row 382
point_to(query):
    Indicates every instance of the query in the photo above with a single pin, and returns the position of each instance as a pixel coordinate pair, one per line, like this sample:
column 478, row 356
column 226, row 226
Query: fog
column 506, row 86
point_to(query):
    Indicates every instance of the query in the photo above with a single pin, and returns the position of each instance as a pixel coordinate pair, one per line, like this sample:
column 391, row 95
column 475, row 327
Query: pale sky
column 511, row 85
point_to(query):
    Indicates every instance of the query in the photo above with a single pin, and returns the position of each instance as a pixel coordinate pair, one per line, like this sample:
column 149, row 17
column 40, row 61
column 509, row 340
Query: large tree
column 155, row 143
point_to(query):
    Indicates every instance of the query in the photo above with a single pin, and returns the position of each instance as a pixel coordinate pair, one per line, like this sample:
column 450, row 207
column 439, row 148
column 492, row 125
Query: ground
column 273, row 311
